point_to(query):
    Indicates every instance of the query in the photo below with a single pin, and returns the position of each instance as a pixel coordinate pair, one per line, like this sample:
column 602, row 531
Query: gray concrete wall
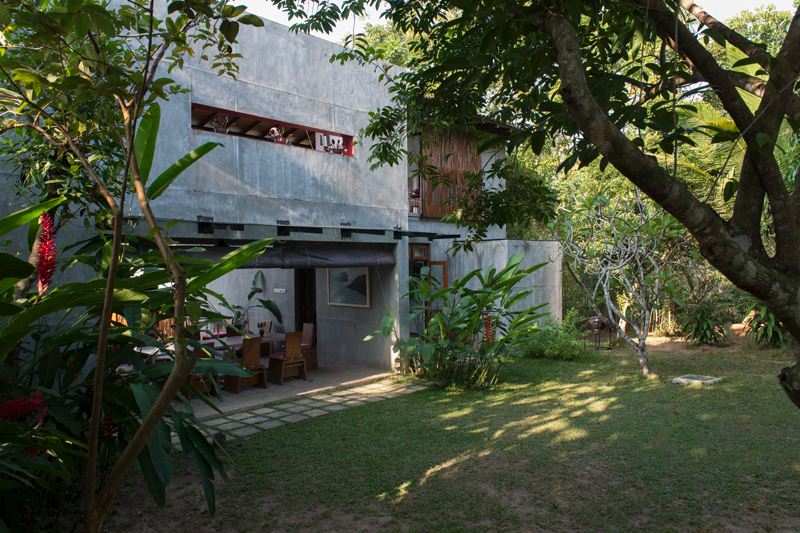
column 342, row 329
column 289, row 78
column 545, row 282
column 236, row 285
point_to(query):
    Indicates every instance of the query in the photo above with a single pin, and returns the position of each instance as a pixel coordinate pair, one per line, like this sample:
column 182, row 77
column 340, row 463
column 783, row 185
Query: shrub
column 559, row 341
column 764, row 328
column 466, row 334
column 700, row 326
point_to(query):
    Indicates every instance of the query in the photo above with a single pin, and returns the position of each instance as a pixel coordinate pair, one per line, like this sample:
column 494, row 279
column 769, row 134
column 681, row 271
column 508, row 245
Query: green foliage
column 562, row 342
column 699, row 326
column 79, row 85
column 388, row 43
column 468, row 331
column 240, row 318
column 764, row 328
column 55, row 357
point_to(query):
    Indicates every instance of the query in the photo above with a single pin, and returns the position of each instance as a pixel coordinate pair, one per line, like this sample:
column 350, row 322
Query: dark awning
column 308, row 257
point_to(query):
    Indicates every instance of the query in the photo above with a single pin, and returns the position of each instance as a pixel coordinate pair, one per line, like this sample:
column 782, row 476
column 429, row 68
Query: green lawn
column 586, row 445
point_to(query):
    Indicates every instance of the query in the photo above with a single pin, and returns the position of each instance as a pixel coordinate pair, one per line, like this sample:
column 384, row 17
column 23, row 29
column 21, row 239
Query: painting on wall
column 348, row 287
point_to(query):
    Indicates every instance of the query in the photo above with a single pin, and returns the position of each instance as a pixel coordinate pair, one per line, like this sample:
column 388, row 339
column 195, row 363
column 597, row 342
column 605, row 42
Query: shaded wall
column 342, row 329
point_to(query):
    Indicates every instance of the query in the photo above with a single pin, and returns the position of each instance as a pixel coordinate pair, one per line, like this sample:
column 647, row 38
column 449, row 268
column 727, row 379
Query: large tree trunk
column 733, row 247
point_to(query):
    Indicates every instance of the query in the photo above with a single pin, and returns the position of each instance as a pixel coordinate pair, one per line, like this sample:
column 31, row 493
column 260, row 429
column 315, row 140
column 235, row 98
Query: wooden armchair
column 251, row 360
column 308, row 348
column 290, row 362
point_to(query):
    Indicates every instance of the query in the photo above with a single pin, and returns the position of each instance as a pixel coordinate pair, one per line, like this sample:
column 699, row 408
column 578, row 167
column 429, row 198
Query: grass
column 585, row 445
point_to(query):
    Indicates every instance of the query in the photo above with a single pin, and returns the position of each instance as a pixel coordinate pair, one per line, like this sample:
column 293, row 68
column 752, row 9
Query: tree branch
column 717, row 244
column 742, row 43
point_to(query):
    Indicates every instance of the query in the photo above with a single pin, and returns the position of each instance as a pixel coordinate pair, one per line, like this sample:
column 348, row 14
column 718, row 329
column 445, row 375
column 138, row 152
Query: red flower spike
column 488, row 330
column 20, row 406
column 46, row 254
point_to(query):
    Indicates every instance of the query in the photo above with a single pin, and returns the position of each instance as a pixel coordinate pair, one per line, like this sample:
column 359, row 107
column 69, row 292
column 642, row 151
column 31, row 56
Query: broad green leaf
column 226, row 264
column 272, row 307
column 159, row 442
column 251, row 19
column 387, row 325
column 163, row 181
column 145, row 143
column 15, row 220
column 9, row 309
column 14, row 267
column 59, row 301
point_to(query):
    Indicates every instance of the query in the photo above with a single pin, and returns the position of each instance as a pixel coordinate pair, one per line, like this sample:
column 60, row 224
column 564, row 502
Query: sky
column 720, row 9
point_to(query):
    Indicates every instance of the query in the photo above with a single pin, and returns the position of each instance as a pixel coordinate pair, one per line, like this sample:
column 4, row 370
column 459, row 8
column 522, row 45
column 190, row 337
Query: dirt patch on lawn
column 737, row 339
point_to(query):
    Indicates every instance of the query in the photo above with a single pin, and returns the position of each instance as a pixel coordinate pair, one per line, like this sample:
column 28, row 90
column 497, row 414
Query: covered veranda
column 328, row 377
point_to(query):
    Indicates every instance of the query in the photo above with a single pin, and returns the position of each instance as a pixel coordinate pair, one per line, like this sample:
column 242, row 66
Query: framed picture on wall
column 348, row 287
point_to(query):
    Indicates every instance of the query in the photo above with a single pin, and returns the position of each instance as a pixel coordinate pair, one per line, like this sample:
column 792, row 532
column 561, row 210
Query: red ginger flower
column 488, row 329
column 20, row 406
column 46, row 254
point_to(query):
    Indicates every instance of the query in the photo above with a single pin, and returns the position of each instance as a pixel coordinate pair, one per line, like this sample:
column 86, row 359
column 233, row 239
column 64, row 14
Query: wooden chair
column 308, row 348
column 251, row 360
column 204, row 383
column 266, row 347
column 290, row 362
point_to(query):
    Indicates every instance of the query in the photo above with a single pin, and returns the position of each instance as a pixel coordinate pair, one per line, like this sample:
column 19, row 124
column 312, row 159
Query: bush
column 472, row 332
column 764, row 328
column 700, row 326
column 559, row 341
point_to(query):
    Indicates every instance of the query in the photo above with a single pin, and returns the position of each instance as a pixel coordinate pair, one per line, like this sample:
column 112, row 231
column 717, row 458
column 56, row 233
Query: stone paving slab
column 335, row 407
column 271, row 424
column 254, row 420
column 229, row 426
column 335, row 399
column 294, row 418
column 240, row 416
column 247, row 430
column 263, row 418
column 373, row 398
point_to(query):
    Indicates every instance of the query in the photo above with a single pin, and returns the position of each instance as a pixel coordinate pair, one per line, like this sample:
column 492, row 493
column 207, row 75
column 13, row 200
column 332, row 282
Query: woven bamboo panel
column 463, row 157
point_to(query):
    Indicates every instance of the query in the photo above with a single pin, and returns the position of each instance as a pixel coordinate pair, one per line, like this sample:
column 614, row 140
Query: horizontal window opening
column 212, row 119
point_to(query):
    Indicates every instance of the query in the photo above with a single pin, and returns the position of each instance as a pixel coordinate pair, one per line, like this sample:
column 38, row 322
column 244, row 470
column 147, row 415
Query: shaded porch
column 329, row 376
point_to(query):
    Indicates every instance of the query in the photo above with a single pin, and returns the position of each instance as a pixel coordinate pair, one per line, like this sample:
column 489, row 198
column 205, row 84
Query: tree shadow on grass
column 587, row 445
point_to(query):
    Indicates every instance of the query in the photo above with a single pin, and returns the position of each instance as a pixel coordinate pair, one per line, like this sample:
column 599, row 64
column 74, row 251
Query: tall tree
column 605, row 73
column 79, row 76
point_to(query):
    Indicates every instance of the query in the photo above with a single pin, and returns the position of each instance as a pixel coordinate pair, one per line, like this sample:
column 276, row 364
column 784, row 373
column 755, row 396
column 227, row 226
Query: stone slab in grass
column 694, row 379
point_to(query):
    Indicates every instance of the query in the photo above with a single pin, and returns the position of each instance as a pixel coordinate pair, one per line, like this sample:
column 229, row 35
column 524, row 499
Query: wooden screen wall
column 464, row 158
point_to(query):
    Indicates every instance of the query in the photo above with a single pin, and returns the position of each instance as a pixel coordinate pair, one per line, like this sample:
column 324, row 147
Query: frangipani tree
column 628, row 246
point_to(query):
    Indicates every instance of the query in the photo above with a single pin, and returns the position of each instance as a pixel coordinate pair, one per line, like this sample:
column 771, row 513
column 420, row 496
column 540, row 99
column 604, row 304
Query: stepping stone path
column 270, row 416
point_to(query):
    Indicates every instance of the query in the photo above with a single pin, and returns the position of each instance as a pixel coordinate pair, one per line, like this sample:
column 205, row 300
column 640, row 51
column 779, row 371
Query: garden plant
column 468, row 331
